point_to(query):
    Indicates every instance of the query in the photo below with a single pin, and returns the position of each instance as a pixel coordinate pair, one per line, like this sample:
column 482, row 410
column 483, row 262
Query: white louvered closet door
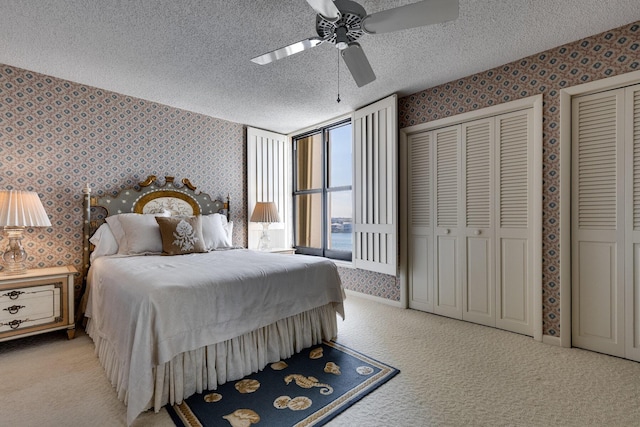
column 474, row 196
column 477, row 234
column 632, row 211
column 448, row 284
column 420, row 230
column 514, row 229
column 598, row 222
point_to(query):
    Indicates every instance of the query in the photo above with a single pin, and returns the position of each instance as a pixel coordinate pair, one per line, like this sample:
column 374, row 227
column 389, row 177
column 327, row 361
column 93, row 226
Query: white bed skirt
column 207, row 367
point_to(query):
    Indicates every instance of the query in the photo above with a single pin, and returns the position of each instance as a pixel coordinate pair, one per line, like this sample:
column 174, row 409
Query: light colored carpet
column 453, row 374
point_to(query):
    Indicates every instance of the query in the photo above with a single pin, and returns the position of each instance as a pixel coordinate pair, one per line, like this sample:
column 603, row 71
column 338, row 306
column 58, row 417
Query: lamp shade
column 22, row 209
column 265, row 212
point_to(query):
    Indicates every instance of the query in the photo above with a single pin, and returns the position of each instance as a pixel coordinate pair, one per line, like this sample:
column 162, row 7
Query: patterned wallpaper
column 370, row 283
column 600, row 56
column 56, row 136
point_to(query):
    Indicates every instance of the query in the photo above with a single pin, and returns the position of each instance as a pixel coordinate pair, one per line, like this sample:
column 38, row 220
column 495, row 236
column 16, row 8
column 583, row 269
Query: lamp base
column 15, row 256
column 265, row 240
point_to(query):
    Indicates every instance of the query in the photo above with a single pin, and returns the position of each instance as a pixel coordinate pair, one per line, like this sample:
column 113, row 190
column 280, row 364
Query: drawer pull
column 13, row 294
column 14, row 323
column 13, row 309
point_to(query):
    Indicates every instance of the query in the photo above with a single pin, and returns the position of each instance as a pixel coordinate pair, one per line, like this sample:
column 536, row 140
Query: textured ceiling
column 195, row 54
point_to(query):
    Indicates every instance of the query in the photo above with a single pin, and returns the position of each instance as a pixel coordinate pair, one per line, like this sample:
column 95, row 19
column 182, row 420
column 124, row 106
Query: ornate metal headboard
column 150, row 198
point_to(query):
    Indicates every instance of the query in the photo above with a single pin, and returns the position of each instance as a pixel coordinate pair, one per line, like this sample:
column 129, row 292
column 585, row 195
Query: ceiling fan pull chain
column 338, row 100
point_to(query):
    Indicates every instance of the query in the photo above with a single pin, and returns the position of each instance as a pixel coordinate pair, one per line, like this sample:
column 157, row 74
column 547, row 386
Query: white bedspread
column 151, row 308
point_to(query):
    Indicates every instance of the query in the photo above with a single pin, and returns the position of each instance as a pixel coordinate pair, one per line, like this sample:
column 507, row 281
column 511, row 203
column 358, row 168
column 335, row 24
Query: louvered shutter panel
column 478, row 141
column 477, row 256
column 447, row 177
column 420, row 180
column 514, row 185
column 447, row 279
column 375, row 130
column 598, row 222
column 632, row 228
column 420, row 230
column 635, row 130
column 597, row 159
column 268, row 180
column 514, row 233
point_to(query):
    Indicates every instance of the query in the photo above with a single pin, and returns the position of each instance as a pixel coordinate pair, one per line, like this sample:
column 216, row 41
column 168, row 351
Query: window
column 322, row 195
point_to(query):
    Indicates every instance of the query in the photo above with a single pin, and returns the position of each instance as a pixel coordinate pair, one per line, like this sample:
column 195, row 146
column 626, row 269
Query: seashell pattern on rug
column 332, row 368
column 279, row 366
column 247, row 386
column 299, row 403
column 316, row 353
column 212, row 397
column 242, row 418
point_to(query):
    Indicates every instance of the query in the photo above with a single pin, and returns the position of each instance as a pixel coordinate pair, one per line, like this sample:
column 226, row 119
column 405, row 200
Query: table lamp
column 265, row 213
column 19, row 210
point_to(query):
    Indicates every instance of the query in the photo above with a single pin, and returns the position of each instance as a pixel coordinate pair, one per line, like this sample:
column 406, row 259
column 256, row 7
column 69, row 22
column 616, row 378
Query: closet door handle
column 447, row 231
column 478, row 232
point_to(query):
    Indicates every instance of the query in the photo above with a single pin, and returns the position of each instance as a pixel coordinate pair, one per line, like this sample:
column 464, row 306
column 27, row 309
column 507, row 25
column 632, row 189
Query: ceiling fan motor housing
column 347, row 29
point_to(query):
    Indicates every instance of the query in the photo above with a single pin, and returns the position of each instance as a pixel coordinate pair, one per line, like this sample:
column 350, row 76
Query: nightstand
column 39, row 301
column 282, row 251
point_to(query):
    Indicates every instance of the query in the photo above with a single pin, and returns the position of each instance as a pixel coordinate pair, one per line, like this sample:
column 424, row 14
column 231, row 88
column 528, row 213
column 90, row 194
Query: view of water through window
column 323, row 205
column 340, row 175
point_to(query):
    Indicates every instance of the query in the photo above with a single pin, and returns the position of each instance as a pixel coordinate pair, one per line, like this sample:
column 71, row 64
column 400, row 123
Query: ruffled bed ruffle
column 206, row 367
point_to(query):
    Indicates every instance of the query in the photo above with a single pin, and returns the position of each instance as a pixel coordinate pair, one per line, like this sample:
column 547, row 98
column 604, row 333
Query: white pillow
column 214, row 233
column 229, row 230
column 104, row 242
column 136, row 233
column 228, row 227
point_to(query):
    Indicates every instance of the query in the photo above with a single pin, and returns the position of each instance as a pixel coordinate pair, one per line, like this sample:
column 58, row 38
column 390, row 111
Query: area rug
column 308, row 389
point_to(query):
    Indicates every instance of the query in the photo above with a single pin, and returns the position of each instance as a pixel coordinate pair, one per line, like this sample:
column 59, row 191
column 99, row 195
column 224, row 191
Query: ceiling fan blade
column 412, row 15
column 283, row 52
column 358, row 64
column 326, row 8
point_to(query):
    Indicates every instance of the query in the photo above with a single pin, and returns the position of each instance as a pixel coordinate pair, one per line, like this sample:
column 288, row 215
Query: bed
column 166, row 327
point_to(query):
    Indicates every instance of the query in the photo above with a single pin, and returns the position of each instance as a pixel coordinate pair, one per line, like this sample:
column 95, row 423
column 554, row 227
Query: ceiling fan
column 342, row 22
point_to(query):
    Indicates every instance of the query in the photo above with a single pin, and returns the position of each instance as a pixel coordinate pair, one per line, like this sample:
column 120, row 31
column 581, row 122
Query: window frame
column 325, row 192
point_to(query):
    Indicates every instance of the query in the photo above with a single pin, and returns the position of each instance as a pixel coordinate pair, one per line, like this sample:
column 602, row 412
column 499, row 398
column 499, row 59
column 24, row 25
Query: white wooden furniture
column 606, row 221
column 375, row 192
column 269, row 178
column 473, row 197
column 39, row 301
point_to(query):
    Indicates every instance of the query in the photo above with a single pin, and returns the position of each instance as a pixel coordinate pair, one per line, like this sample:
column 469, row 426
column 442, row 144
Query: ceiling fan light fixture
column 343, row 22
column 342, row 41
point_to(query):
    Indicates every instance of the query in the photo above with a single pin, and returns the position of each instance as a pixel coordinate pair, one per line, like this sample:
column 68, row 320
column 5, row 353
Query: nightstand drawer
column 38, row 301
column 31, row 306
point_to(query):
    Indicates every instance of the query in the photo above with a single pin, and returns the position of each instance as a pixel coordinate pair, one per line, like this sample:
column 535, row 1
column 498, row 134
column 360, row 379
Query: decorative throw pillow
column 181, row 235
